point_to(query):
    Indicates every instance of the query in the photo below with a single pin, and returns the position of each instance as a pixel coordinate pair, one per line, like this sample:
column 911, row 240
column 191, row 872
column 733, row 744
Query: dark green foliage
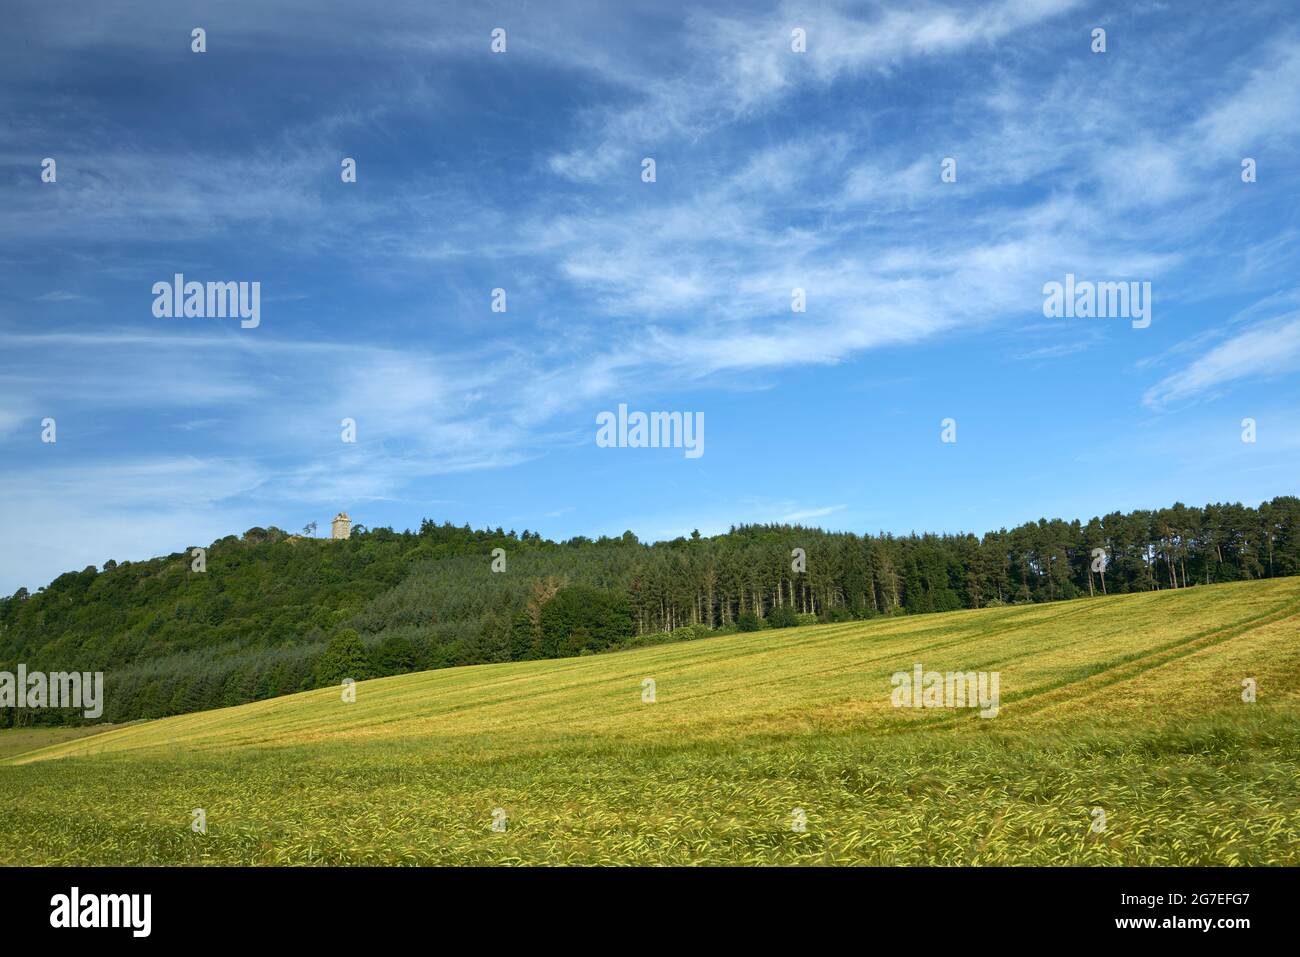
column 345, row 657
column 257, row 622
column 782, row 616
column 581, row 617
column 395, row 655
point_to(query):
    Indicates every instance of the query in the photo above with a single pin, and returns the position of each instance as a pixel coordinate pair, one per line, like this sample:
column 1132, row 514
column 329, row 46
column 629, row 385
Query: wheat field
column 1121, row 738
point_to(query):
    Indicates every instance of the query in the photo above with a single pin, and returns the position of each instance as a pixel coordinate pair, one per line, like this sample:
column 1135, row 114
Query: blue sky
column 522, row 171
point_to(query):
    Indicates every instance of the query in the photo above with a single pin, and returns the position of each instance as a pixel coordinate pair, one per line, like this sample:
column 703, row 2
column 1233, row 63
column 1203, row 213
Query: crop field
column 1121, row 738
column 19, row 740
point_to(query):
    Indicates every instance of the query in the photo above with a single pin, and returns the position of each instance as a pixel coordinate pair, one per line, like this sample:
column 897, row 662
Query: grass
column 1131, row 704
column 20, row 740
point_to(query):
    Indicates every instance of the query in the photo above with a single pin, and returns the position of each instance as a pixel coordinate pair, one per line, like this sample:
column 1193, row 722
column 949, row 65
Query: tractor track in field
column 1122, row 669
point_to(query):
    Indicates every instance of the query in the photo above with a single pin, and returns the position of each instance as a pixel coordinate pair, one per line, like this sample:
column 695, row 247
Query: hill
column 256, row 621
column 1125, row 706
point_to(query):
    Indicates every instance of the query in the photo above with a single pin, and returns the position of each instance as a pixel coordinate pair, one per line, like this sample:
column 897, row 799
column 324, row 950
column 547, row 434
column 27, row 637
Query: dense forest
column 273, row 613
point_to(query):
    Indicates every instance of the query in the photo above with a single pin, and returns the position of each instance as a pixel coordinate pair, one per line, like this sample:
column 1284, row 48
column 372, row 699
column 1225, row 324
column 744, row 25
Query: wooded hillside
column 275, row 613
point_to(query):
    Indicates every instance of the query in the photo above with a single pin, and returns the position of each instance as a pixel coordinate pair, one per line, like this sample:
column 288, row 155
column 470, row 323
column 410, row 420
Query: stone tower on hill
column 342, row 526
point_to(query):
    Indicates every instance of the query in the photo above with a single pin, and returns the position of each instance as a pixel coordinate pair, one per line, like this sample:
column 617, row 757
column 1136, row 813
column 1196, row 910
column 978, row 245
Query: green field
column 1132, row 704
column 20, row 740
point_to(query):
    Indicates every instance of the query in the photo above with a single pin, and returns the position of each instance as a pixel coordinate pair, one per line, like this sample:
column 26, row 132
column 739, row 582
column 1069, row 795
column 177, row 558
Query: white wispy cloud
column 804, row 515
column 736, row 67
column 1268, row 349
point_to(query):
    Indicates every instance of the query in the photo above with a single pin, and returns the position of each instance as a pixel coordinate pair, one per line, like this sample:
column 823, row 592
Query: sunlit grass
column 1131, row 704
column 21, row 740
